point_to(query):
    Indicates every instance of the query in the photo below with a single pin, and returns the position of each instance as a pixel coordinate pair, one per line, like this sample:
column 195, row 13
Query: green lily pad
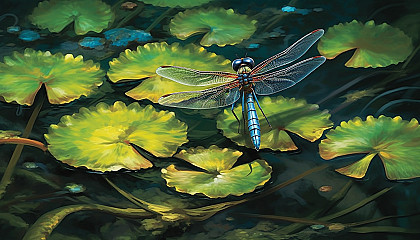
column 65, row 77
column 395, row 141
column 5, row 134
column 143, row 63
column 285, row 115
column 100, row 137
column 375, row 44
column 220, row 26
column 218, row 179
column 92, row 15
column 176, row 3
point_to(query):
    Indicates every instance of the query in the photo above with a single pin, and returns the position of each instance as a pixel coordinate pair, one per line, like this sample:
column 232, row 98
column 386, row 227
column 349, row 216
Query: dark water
column 39, row 189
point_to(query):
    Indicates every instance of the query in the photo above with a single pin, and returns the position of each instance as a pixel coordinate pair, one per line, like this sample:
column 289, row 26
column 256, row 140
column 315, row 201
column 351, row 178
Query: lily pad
column 395, row 141
column 65, row 77
column 218, row 179
column 143, row 63
column 100, row 137
column 220, row 26
column 285, row 115
column 176, row 3
column 375, row 44
column 92, row 15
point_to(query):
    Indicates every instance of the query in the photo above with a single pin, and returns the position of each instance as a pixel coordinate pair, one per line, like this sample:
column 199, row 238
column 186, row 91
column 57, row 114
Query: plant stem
column 43, row 227
column 157, row 20
column 24, row 141
column 5, row 181
column 130, row 16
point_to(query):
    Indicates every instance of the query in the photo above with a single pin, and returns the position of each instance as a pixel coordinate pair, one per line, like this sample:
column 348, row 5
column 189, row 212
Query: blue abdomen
column 253, row 123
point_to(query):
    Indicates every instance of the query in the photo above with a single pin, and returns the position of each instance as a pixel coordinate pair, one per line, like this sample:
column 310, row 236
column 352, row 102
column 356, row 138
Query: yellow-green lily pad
column 218, row 179
column 100, row 137
column 285, row 115
column 176, row 3
column 143, row 63
column 395, row 141
column 376, row 45
column 220, row 26
column 5, row 134
column 65, row 77
column 92, row 15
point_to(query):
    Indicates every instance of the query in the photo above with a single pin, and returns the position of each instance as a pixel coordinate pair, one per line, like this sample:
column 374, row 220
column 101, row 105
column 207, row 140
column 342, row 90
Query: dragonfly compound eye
column 249, row 62
column 236, row 64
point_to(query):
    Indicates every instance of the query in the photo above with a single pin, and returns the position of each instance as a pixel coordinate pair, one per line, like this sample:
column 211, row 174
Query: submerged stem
column 157, row 20
column 43, row 227
column 130, row 16
column 5, row 181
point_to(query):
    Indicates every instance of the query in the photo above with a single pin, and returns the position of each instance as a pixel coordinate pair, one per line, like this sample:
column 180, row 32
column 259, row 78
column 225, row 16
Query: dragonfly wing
column 279, row 80
column 193, row 77
column 290, row 54
column 219, row 96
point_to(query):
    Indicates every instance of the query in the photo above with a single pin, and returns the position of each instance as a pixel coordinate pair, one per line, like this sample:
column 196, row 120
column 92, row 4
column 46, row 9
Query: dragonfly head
column 242, row 62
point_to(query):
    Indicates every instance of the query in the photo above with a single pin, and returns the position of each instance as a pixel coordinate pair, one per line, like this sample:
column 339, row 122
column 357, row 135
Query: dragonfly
column 248, row 82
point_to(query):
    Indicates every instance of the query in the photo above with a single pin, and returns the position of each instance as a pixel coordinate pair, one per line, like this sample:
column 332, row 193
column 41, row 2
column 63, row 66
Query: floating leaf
column 220, row 26
column 65, row 77
column 92, row 15
column 375, row 45
column 144, row 62
column 396, row 141
column 100, row 138
column 219, row 178
column 175, row 3
column 284, row 114
column 5, row 134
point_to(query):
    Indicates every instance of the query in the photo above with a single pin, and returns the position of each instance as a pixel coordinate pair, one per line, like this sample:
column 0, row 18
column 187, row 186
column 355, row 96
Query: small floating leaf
column 143, row 63
column 395, row 141
column 220, row 26
column 218, row 179
column 65, row 77
column 100, row 138
column 375, row 44
column 92, row 15
column 284, row 114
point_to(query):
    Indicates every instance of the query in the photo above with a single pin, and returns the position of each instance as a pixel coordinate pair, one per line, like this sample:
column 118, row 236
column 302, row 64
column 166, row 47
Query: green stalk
column 356, row 206
column 157, row 20
column 43, row 227
column 130, row 16
column 5, row 181
column 335, row 199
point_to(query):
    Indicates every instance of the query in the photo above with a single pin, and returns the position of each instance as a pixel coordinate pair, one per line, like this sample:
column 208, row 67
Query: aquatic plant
column 93, row 15
column 219, row 178
column 143, row 62
column 220, row 26
column 285, row 115
column 375, row 44
column 176, row 3
column 122, row 36
column 394, row 140
column 29, row 35
column 23, row 74
column 101, row 137
column 91, row 42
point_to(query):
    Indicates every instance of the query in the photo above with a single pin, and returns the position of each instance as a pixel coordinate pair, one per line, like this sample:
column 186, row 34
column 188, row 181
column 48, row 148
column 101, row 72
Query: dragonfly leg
column 256, row 100
column 237, row 119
